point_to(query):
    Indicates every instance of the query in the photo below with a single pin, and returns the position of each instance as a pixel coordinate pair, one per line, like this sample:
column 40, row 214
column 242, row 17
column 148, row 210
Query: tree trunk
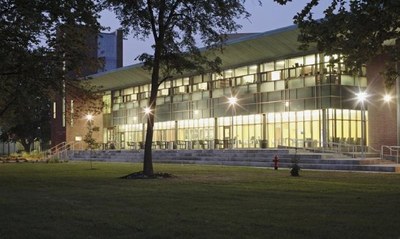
column 26, row 144
column 159, row 39
column 148, row 158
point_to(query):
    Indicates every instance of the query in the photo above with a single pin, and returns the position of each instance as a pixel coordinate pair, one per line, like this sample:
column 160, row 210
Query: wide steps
column 251, row 157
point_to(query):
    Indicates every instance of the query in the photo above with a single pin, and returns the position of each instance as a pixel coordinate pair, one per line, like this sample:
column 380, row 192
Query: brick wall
column 382, row 119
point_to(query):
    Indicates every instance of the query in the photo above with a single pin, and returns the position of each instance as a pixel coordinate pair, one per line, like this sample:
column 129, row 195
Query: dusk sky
column 267, row 17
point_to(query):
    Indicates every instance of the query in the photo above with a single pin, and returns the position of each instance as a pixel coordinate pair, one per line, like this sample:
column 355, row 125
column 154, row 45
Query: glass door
column 227, row 136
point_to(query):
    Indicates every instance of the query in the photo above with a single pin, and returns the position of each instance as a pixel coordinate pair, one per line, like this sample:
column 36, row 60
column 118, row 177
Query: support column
column 324, row 128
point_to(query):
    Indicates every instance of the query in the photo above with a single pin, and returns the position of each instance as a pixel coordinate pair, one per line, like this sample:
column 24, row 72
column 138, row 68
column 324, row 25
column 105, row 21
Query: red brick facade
column 382, row 119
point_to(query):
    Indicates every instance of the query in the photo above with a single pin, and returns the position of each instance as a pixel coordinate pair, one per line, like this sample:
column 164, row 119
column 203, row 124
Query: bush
column 53, row 160
column 295, row 167
column 295, row 170
column 34, row 155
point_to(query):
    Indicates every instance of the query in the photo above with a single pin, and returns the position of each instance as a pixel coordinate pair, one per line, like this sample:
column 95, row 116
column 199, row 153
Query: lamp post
column 362, row 97
column 232, row 102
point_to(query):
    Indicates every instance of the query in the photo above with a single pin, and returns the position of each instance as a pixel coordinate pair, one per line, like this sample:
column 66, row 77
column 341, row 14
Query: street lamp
column 232, row 102
column 362, row 97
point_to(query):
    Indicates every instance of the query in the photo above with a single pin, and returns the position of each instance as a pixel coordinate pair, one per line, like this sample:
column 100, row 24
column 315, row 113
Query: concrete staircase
column 249, row 157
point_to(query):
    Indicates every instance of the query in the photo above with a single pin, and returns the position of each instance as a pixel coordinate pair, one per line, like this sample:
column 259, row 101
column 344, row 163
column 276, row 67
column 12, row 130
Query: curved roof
column 239, row 51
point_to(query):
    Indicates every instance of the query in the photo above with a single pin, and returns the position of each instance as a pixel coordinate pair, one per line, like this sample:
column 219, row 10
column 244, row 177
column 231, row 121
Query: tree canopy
column 359, row 30
column 177, row 28
column 40, row 42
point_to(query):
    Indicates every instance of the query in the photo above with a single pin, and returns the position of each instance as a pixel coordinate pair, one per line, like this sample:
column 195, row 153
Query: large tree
column 358, row 30
column 176, row 27
column 40, row 42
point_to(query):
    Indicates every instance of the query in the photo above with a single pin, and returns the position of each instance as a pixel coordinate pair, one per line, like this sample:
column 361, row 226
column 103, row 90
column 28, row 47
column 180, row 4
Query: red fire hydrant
column 276, row 161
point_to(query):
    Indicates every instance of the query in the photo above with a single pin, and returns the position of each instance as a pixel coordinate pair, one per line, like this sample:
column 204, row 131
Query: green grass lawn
column 69, row 200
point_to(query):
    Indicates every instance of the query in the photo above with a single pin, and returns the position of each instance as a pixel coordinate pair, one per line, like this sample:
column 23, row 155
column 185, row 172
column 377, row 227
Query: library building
column 270, row 94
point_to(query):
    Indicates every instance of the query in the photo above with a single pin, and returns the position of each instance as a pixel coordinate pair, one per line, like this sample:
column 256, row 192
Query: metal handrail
column 54, row 149
column 60, row 149
column 391, row 149
column 329, row 147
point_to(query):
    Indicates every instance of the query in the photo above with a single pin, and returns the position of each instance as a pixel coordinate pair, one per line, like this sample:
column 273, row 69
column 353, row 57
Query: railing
column 390, row 152
column 345, row 147
column 330, row 147
column 60, row 150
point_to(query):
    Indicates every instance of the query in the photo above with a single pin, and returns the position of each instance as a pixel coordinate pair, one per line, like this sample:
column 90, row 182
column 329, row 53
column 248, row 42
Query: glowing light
column 147, row 110
column 387, row 98
column 361, row 96
column 89, row 117
column 232, row 100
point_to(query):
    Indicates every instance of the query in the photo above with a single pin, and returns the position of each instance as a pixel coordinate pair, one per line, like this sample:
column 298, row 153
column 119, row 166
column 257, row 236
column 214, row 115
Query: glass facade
column 303, row 101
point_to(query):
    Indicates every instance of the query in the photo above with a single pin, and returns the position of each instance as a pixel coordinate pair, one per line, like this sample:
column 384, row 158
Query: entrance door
column 227, row 136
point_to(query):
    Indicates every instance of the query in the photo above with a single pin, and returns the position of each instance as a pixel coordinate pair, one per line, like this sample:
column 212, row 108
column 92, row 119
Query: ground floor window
column 310, row 128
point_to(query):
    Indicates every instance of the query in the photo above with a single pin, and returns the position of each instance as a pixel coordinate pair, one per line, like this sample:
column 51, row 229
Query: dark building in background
column 109, row 51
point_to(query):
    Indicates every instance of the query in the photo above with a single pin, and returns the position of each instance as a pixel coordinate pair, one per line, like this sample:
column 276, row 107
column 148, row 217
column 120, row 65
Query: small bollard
column 276, row 161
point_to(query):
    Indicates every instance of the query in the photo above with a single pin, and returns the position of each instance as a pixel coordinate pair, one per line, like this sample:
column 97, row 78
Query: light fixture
column 232, row 100
column 89, row 117
column 387, row 98
column 147, row 111
column 361, row 96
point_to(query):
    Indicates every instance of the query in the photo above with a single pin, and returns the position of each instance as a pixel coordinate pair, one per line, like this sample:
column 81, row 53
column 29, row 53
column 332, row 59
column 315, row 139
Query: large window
column 107, row 104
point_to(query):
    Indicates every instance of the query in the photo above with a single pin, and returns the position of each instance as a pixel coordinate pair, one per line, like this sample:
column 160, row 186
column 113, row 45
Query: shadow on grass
column 141, row 175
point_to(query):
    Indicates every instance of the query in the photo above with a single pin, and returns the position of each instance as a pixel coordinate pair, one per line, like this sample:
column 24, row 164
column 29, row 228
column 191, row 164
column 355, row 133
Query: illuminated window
column 275, row 75
column 253, row 69
column 248, row 79
column 279, row 65
column 241, row 71
column 269, row 66
column 165, row 92
column 202, row 86
column 72, row 113
column 309, row 60
column 54, row 110
column 107, row 104
column 63, row 112
column 228, row 73
column 296, row 62
column 128, row 91
column 197, row 79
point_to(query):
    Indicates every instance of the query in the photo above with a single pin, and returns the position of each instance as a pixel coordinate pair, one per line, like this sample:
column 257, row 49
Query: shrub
column 34, row 155
column 53, row 160
column 295, row 167
column 295, row 170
